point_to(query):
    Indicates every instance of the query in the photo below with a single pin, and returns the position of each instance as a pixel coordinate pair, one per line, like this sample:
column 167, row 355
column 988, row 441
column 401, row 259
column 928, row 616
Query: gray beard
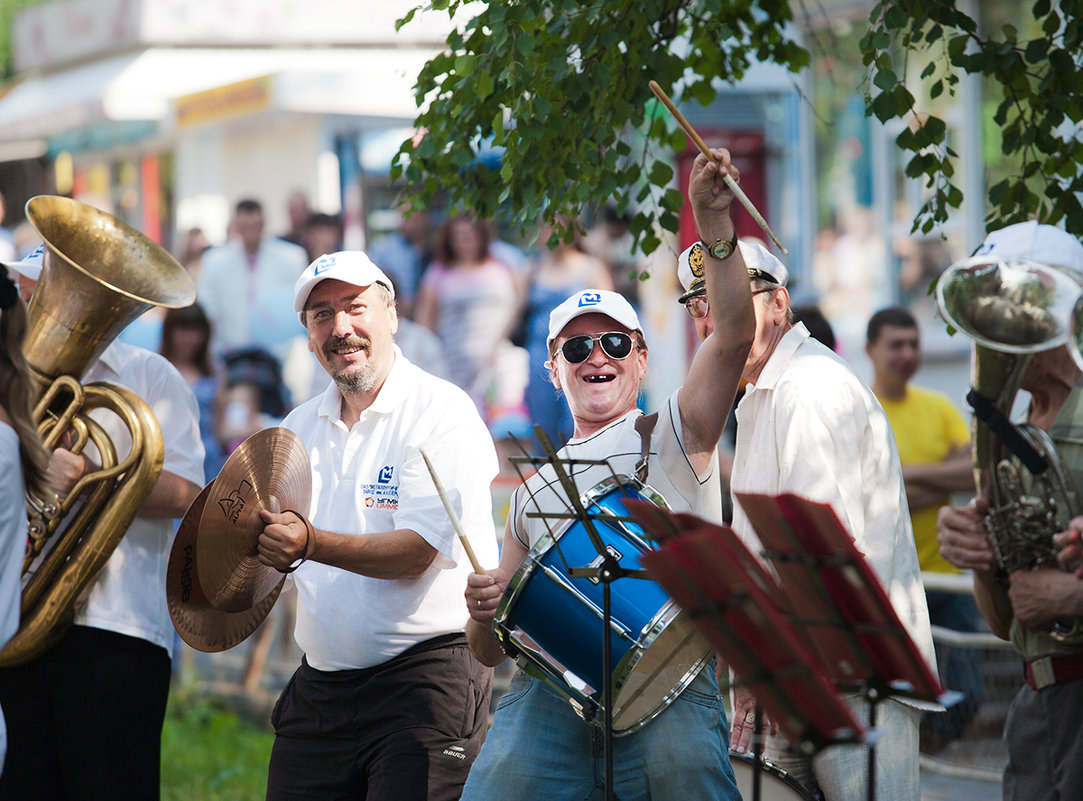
column 363, row 379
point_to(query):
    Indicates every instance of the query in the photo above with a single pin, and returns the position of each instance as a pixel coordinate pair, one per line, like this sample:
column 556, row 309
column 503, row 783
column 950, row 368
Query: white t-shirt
column 372, row 478
column 811, row 428
column 12, row 545
column 670, row 472
column 129, row 595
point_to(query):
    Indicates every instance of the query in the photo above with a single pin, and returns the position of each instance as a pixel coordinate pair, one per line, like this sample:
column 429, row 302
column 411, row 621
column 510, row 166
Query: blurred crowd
column 473, row 308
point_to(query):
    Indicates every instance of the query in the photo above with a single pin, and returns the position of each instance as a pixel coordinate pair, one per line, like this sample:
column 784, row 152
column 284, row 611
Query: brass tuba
column 1013, row 309
column 98, row 275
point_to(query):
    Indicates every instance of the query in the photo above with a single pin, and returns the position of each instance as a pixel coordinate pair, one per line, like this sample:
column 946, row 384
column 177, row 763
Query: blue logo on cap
column 325, row 263
column 589, row 299
column 38, row 251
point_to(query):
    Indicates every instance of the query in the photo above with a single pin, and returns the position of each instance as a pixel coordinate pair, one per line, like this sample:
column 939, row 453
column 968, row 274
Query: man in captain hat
column 808, row 426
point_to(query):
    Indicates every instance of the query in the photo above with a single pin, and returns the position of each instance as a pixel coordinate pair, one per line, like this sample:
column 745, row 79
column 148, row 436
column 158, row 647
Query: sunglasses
column 697, row 306
column 615, row 345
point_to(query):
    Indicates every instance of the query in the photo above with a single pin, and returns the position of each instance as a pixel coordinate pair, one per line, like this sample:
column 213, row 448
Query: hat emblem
column 589, row 299
column 695, row 261
column 324, row 263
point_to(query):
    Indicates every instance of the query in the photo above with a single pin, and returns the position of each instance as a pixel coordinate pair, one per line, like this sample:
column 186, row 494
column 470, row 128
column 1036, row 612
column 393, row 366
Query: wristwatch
column 722, row 248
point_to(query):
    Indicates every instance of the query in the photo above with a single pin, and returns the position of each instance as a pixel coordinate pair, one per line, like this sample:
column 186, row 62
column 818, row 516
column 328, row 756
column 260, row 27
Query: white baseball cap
column 1045, row 244
column 29, row 265
column 761, row 263
column 592, row 301
column 351, row 266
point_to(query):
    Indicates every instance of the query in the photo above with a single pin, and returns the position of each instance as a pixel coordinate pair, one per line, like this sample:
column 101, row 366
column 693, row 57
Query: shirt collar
column 780, row 357
column 112, row 361
column 392, row 394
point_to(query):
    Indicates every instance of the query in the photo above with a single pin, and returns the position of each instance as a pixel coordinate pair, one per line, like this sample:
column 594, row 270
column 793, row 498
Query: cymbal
column 269, row 470
column 198, row 623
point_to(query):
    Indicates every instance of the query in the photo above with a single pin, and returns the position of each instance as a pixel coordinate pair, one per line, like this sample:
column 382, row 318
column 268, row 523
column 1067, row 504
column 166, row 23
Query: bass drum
column 775, row 783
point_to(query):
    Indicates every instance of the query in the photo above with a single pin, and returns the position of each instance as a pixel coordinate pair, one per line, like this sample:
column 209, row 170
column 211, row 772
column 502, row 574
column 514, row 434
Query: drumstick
column 706, row 151
column 458, row 526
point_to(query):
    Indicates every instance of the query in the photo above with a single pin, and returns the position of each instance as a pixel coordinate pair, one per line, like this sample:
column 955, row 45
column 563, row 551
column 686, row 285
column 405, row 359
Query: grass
column 210, row 753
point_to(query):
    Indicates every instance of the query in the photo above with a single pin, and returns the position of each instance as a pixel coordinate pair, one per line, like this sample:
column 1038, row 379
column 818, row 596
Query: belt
column 1050, row 670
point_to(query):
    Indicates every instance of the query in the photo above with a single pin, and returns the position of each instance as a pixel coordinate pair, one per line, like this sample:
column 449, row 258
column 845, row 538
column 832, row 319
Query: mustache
column 364, row 343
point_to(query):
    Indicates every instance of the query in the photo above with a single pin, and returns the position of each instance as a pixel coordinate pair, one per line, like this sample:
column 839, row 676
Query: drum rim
column 658, row 623
column 774, row 771
column 515, row 584
column 623, row 671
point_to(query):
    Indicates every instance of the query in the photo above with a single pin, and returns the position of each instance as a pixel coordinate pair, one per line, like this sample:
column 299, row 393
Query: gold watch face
column 721, row 249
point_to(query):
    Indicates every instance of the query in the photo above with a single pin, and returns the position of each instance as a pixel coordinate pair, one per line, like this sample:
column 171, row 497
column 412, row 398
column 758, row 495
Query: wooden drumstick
column 455, row 523
column 706, row 151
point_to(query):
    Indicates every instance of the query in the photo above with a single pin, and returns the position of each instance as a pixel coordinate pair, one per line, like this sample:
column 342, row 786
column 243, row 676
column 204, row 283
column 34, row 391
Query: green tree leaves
column 1039, row 80
column 561, row 87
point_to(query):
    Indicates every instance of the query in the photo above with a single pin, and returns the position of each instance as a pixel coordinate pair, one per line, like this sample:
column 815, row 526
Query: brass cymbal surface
column 269, row 470
column 198, row 622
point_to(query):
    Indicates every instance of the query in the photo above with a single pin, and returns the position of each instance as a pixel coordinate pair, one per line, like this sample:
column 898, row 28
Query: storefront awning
column 371, row 82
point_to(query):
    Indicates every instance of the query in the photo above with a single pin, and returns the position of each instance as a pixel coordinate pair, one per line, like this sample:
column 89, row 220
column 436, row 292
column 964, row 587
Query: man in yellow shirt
column 934, row 447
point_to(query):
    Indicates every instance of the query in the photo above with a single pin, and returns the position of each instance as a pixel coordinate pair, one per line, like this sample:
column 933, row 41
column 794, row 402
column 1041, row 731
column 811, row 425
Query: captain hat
column 759, row 261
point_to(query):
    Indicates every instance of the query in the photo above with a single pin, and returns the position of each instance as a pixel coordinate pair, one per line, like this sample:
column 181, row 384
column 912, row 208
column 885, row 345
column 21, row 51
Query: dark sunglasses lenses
column 615, row 345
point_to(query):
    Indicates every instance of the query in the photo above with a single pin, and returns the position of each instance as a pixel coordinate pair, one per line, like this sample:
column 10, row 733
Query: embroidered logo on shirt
column 383, row 494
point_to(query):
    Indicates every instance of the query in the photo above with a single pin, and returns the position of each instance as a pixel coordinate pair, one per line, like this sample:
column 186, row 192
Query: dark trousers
column 84, row 720
column 406, row 730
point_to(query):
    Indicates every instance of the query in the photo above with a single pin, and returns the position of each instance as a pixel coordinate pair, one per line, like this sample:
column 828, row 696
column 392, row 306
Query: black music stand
column 847, row 615
column 605, row 570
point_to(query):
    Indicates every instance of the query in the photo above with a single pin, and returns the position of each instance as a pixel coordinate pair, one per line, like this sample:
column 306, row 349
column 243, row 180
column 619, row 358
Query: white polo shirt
column 372, row 478
column 129, row 596
column 810, row 427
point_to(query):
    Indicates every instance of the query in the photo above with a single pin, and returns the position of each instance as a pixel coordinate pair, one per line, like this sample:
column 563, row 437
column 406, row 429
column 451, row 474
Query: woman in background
column 469, row 300
column 186, row 336
column 22, row 457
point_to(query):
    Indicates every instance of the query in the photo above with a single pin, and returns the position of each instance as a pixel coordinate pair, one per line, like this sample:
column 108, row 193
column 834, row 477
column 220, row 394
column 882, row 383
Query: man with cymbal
column 538, row 746
column 388, row 702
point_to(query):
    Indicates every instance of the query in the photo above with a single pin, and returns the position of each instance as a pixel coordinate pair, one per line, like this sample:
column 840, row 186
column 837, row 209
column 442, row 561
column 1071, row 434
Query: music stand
column 738, row 607
column 846, row 616
column 605, row 569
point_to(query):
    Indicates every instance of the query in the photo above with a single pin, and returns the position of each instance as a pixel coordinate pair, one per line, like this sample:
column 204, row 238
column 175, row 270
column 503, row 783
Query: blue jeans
column 538, row 748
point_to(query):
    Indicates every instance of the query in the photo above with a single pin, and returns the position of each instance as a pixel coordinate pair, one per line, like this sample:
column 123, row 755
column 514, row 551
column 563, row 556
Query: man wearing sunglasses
column 808, row 426
column 537, row 746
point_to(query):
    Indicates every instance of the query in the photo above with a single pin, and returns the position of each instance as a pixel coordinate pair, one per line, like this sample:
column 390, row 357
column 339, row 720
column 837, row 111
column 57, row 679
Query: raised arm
column 715, row 372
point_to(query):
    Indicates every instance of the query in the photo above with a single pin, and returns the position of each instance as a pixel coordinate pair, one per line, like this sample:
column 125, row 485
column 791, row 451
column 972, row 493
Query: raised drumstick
column 706, row 151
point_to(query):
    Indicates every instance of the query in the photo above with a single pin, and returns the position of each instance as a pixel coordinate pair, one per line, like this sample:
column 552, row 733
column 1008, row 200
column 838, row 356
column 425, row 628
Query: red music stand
column 738, row 608
column 842, row 609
